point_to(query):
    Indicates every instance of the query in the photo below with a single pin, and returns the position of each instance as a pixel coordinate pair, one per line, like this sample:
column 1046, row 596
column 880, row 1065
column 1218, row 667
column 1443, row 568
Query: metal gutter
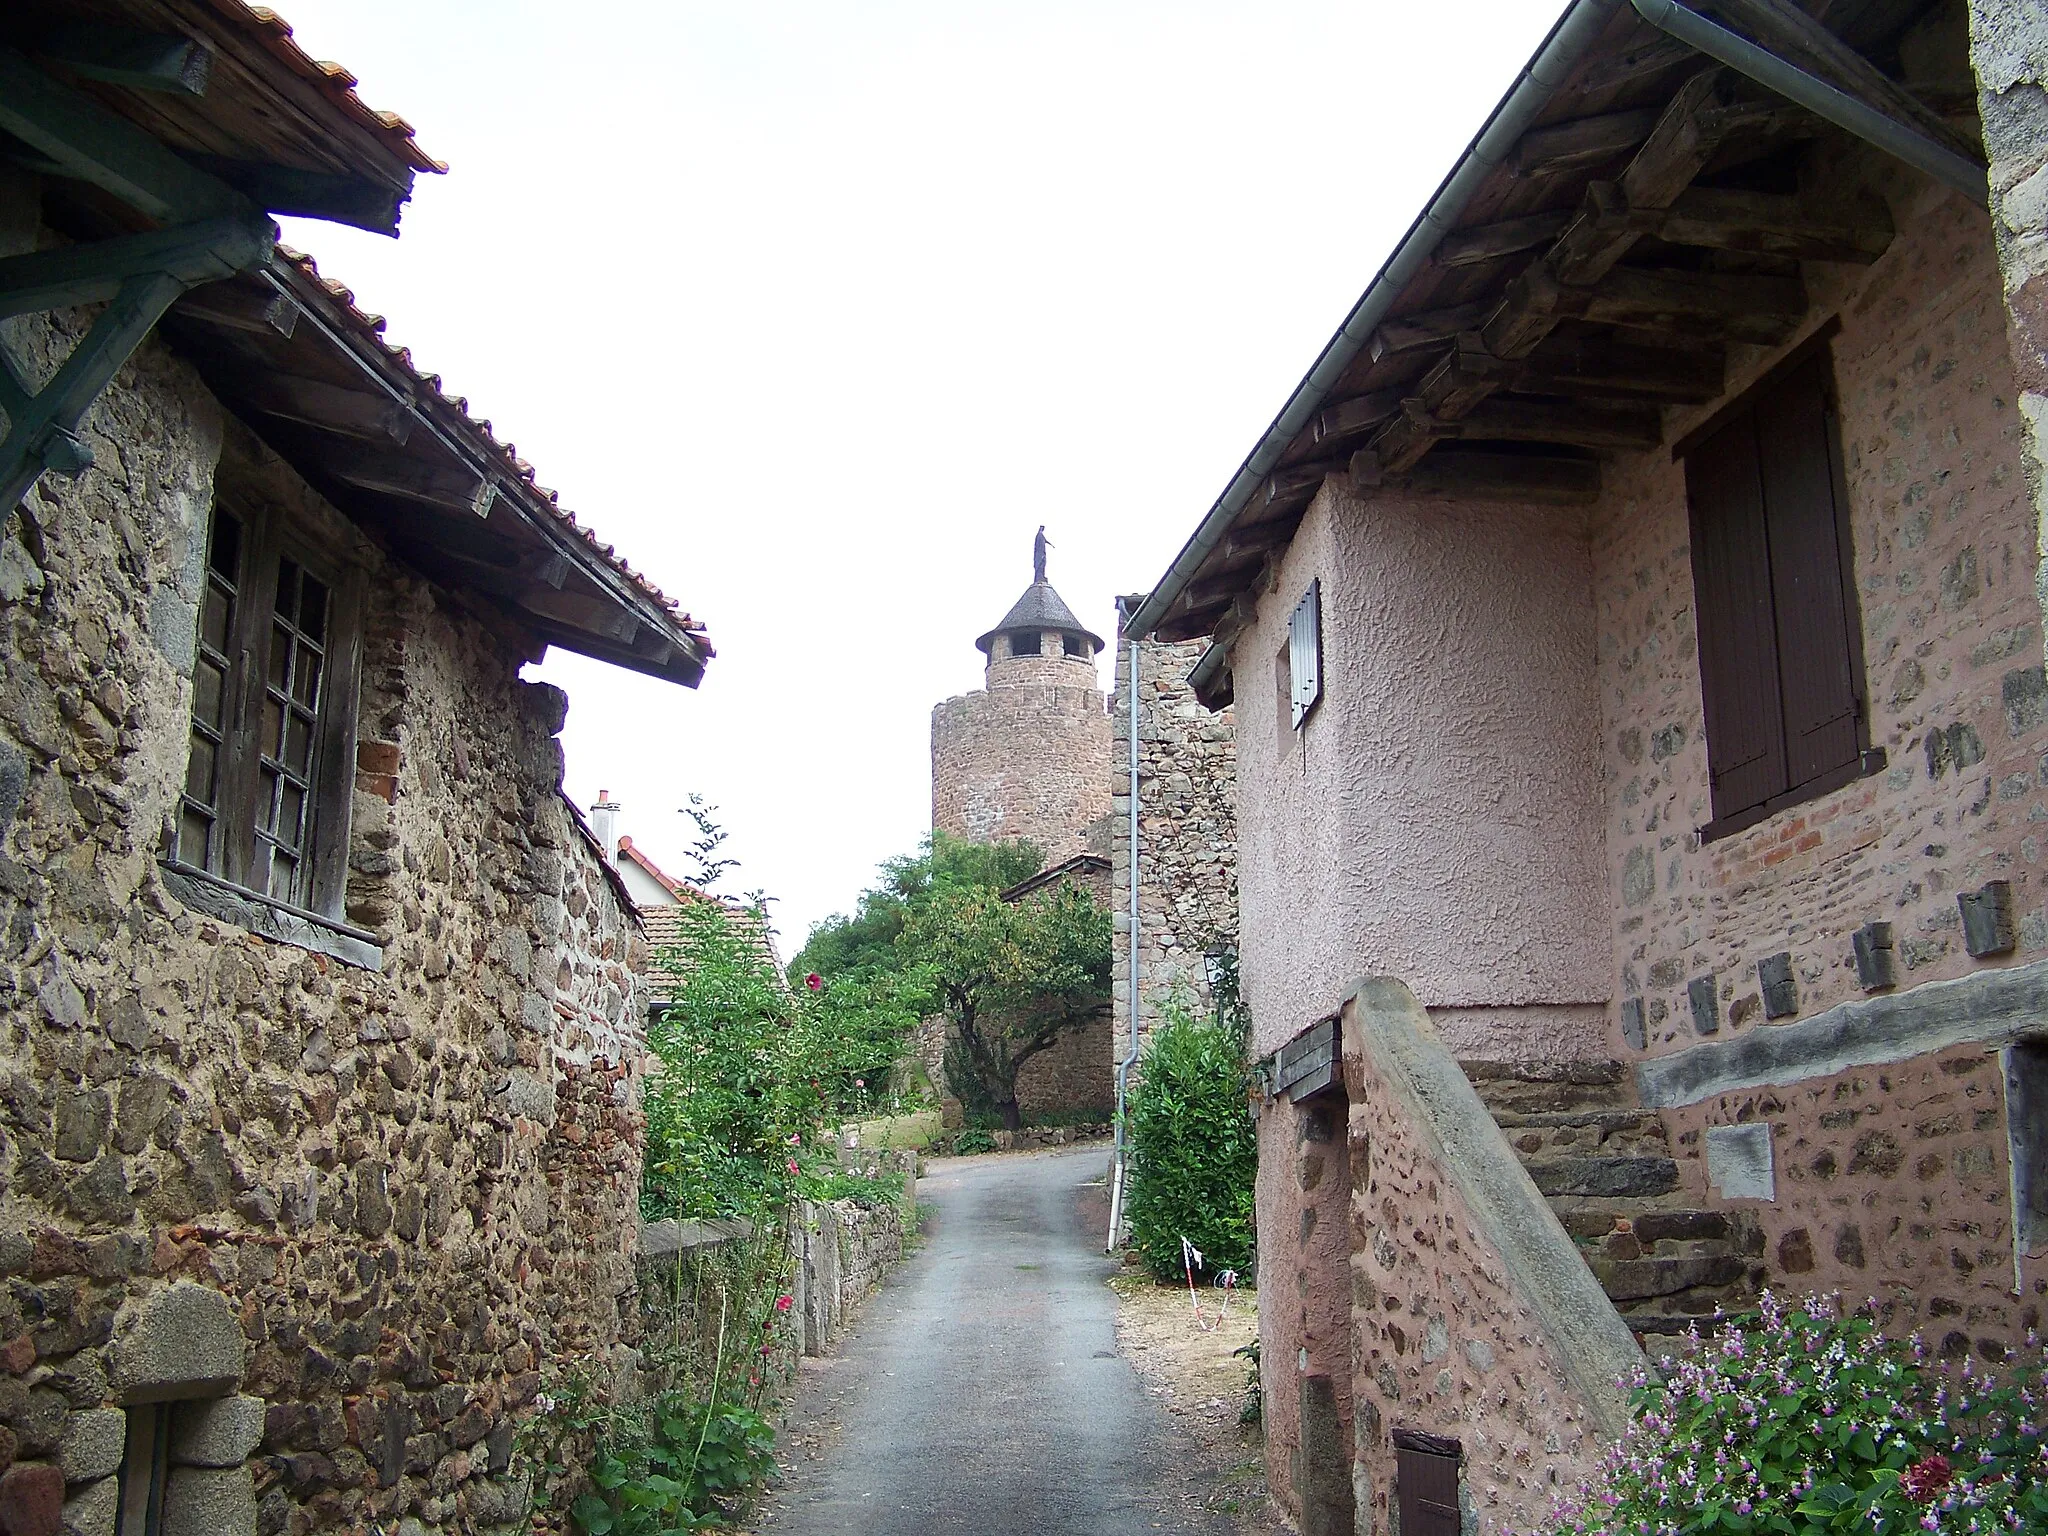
column 1817, row 96
column 1546, row 71
column 1123, row 1067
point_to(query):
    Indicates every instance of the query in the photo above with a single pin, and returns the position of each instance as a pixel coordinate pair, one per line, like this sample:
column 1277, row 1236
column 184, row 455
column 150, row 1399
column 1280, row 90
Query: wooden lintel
column 329, row 407
column 1348, row 418
column 1424, row 327
column 1488, row 242
column 1506, row 477
column 1723, row 220
column 1580, row 143
column 1623, row 371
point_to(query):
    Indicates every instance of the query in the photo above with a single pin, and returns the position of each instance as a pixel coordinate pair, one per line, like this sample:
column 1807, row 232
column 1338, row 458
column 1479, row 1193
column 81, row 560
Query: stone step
column 1607, row 1131
column 1557, row 1087
column 1644, row 1279
column 1604, row 1177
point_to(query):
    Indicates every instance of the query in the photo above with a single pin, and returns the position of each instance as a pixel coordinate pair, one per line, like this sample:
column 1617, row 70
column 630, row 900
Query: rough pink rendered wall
column 1432, row 819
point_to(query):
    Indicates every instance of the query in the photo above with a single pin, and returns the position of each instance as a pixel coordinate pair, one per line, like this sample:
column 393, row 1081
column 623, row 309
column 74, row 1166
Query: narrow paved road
column 982, row 1392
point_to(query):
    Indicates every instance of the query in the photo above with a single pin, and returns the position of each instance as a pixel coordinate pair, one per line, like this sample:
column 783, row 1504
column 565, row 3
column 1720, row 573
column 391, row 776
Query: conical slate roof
column 1040, row 608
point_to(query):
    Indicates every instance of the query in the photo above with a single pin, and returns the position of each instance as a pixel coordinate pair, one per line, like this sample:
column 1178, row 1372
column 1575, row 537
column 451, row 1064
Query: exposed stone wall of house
column 1945, row 558
column 408, row 1188
column 1072, row 1078
column 1187, row 834
column 1022, row 758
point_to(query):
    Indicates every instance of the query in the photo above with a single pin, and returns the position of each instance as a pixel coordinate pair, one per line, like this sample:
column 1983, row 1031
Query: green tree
column 1010, row 977
column 865, row 942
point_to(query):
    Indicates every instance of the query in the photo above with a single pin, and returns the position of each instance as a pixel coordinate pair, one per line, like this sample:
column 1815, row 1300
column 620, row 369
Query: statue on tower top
column 1038, row 548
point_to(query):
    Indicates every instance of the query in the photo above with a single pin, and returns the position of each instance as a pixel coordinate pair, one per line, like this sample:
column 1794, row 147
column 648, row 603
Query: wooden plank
column 238, row 307
column 92, row 272
column 1508, row 418
column 1425, row 327
column 141, row 61
column 439, row 483
column 351, row 200
column 1348, row 418
column 1297, row 483
column 1724, row 220
column 95, row 145
column 1624, row 371
column 329, row 407
column 1489, row 242
column 1793, row 34
column 1581, row 143
column 1466, row 474
column 1735, row 306
column 1687, row 134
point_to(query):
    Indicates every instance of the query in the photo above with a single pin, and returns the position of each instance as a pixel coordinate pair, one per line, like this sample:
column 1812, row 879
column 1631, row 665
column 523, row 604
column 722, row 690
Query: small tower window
column 1076, row 646
column 1024, row 643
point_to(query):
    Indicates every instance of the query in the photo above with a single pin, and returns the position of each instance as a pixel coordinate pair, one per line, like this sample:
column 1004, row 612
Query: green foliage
column 751, row 1068
column 870, row 1191
column 972, row 1140
column 1253, row 1409
column 865, row 943
column 1811, row 1423
column 1191, row 1146
column 1011, row 977
column 691, row 1468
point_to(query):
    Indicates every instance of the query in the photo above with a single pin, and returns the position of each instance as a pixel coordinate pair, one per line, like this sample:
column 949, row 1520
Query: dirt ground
column 1188, row 1364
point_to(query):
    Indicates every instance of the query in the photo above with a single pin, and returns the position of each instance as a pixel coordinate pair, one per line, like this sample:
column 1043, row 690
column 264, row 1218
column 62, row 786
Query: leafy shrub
column 972, row 1140
column 1191, row 1147
column 1813, row 1423
column 690, row 1467
column 870, row 1191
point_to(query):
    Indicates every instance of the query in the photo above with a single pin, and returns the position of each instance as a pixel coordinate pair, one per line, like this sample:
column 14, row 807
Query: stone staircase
column 1605, row 1165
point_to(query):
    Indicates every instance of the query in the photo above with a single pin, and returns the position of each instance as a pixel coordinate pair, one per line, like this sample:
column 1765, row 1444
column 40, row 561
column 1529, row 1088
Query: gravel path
column 982, row 1391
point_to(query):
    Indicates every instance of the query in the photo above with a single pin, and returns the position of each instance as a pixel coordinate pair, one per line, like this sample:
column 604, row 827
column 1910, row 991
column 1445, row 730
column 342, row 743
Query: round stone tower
column 1027, row 755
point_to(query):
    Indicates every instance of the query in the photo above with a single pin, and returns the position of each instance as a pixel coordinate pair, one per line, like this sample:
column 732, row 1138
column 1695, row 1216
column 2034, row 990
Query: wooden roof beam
column 1509, row 419
column 1348, row 418
column 1489, row 242
column 326, row 407
column 1623, row 370
column 1580, row 143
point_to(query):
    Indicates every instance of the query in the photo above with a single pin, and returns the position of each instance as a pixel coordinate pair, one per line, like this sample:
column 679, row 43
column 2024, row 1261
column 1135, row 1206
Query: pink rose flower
column 784, row 1303
column 815, row 982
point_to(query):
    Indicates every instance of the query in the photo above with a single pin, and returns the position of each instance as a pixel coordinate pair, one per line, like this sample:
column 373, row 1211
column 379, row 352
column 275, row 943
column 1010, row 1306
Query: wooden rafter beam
column 1859, row 230
column 1490, row 242
column 1511, row 419
column 1623, row 371
column 1580, row 143
column 1348, row 418
column 141, row 61
column 1424, row 328
column 326, row 407
column 1801, row 39
column 439, row 483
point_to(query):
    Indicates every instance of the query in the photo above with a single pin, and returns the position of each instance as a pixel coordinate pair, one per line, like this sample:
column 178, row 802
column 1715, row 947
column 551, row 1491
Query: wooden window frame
column 235, row 859
column 1868, row 760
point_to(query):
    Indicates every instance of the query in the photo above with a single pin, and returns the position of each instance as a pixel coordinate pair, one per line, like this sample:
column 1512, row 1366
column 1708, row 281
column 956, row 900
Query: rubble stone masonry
column 1187, row 833
column 405, row 1188
column 1881, row 1170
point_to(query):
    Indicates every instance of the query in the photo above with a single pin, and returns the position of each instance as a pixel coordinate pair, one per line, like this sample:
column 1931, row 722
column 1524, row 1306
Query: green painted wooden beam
column 44, row 433
column 94, row 272
column 142, row 61
column 101, row 147
column 285, row 189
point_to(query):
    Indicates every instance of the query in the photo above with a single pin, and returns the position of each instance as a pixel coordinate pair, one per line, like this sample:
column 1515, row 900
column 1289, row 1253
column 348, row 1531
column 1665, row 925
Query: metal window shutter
column 1732, row 600
column 1305, row 652
column 1817, row 678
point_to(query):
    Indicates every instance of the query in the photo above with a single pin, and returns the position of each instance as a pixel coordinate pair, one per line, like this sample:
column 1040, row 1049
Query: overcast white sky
column 818, row 310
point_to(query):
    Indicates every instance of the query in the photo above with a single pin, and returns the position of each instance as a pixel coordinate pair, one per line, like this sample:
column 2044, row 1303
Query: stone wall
column 407, row 1187
column 1187, row 834
column 1022, row 758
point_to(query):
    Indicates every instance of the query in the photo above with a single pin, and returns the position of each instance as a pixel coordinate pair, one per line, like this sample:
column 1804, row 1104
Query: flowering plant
column 1811, row 1422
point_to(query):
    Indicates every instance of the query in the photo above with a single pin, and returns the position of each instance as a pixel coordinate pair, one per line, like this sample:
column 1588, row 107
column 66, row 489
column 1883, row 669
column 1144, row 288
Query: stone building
column 1187, row 838
column 1021, row 756
column 1634, row 632
column 319, row 1035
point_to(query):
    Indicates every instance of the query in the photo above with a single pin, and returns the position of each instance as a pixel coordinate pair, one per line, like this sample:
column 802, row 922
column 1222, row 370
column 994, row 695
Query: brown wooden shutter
column 1737, row 637
column 1817, row 675
column 1426, row 1483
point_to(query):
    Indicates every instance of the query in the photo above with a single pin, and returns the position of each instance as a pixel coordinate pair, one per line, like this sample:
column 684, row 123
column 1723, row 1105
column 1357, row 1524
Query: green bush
column 1810, row 1423
column 1190, row 1147
column 972, row 1140
column 689, row 1467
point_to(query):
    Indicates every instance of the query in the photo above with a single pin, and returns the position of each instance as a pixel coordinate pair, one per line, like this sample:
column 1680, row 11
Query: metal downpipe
column 1123, row 1068
column 1817, row 96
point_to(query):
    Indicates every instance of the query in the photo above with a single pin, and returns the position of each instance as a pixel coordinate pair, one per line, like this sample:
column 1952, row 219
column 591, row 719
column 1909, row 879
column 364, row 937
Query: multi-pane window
column 273, row 695
column 1779, row 642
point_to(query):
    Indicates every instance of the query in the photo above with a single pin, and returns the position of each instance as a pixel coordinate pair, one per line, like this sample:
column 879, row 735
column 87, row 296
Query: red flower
column 784, row 1303
column 792, row 1165
column 814, row 981
column 1926, row 1478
